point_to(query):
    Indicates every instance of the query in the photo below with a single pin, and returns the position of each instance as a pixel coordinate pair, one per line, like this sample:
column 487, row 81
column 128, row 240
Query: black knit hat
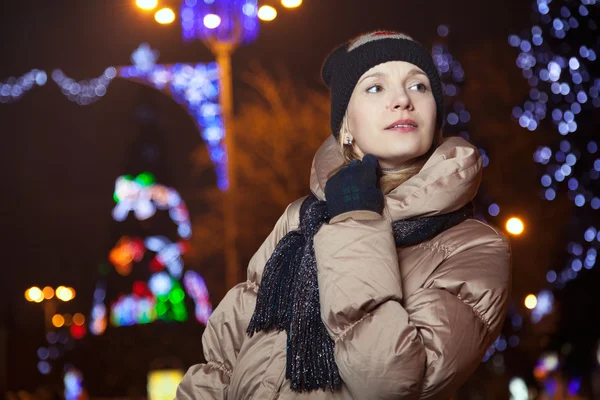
column 346, row 64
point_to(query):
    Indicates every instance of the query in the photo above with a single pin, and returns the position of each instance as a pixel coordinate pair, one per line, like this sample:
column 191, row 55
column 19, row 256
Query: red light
column 78, row 331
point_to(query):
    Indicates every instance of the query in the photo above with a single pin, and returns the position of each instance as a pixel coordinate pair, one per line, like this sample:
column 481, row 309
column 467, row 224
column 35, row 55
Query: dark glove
column 355, row 187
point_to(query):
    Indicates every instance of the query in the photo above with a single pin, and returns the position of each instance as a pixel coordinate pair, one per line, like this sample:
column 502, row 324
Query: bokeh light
column 34, row 294
column 146, row 4
column 267, row 13
column 65, row 293
column 164, row 16
column 58, row 320
column 78, row 319
column 530, row 301
column 48, row 292
column 211, row 21
column 291, row 3
column 515, row 226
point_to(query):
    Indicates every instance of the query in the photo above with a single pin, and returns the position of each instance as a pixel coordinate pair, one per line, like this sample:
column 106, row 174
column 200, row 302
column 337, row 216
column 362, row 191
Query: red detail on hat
column 385, row 33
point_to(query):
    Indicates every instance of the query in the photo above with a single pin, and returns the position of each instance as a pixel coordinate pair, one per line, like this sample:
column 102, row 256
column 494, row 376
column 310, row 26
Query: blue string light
column 15, row 88
column 195, row 86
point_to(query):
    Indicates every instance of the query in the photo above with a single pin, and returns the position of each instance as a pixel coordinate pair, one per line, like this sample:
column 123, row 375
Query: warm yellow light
column 34, row 294
column 291, row 3
column 267, row 13
column 65, row 293
column 58, row 320
column 146, row 4
column 515, row 226
column 162, row 384
column 48, row 292
column 164, row 16
column 531, row 301
column 211, row 21
column 78, row 319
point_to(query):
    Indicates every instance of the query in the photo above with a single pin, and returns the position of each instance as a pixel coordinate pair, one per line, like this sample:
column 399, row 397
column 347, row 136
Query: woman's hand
column 355, row 187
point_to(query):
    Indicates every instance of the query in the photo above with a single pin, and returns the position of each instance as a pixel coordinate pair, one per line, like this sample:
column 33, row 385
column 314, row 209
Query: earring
column 348, row 140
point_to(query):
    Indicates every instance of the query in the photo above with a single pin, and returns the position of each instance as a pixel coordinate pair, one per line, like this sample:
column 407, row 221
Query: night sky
column 58, row 160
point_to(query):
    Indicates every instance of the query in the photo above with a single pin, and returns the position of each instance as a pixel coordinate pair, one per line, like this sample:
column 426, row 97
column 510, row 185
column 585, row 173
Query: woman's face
column 392, row 114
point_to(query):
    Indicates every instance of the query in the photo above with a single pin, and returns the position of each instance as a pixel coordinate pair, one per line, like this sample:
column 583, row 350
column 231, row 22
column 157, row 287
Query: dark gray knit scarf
column 288, row 295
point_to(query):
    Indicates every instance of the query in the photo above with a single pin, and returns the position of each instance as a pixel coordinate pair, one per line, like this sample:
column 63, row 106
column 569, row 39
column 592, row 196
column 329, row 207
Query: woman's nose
column 400, row 100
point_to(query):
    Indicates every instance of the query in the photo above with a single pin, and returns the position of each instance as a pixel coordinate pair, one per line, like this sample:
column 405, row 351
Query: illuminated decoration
column 196, row 288
column 125, row 252
column 144, row 58
column 73, row 384
column 195, row 86
column 557, row 57
column 162, row 297
column 162, row 385
column 15, row 88
column 238, row 20
column 132, row 309
column 160, row 284
column 167, row 254
column 84, row 92
column 143, row 196
column 143, row 307
column 164, row 16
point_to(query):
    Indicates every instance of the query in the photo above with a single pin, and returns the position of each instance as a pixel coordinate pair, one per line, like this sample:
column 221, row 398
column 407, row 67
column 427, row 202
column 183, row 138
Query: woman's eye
column 421, row 87
column 374, row 89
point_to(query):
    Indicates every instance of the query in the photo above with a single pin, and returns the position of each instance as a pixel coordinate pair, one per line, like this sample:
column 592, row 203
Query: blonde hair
column 389, row 180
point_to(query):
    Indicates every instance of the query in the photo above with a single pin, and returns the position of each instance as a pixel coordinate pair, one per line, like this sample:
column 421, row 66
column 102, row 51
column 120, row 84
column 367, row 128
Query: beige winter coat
column 407, row 323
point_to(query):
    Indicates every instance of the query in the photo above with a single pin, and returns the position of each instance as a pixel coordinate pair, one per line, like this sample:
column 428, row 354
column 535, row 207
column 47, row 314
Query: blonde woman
column 380, row 284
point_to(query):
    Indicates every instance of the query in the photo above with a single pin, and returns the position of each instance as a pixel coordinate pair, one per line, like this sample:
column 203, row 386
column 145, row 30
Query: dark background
column 59, row 160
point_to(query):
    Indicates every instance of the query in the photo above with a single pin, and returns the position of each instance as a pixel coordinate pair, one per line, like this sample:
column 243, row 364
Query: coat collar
column 448, row 181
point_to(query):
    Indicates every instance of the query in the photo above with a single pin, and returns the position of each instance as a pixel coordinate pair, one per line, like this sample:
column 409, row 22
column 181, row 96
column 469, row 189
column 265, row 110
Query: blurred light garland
column 558, row 58
column 565, row 90
column 84, row 92
column 195, row 86
column 15, row 88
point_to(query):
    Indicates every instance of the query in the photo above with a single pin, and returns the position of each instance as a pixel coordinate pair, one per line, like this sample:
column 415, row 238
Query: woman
column 380, row 284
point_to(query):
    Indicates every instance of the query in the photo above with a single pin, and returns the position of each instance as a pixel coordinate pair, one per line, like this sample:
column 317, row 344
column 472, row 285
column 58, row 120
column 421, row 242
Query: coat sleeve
column 425, row 346
column 226, row 328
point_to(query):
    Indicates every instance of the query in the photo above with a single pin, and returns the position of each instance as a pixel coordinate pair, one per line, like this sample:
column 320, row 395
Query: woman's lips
column 403, row 129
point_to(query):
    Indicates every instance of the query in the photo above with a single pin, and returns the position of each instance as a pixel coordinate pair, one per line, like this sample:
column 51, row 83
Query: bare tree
column 277, row 129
